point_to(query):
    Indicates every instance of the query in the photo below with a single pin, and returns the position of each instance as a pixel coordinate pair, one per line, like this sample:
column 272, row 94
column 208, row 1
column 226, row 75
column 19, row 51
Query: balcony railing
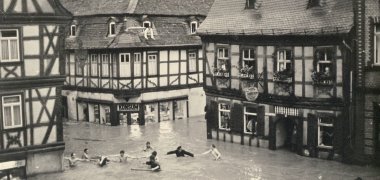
column 285, row 76
column 322, row 78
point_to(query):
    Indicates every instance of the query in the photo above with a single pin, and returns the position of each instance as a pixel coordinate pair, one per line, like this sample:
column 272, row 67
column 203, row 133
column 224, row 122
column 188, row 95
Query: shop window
column 250, row 120
column 12, row 111
column 224, row 116
column 324, row 66
column 152, row 64
column 193, row 27
column 105, row 65
column 137, row 64
column 325, row 132
column 192, row 62
column 94, row 65
column 248, row 65
column 377, row 44
column 223, row 61
column 9, row 46
column 125, row 65
column 284, row 66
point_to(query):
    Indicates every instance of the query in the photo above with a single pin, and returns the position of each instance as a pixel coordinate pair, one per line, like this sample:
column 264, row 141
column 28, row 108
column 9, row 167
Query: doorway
column 286, row 132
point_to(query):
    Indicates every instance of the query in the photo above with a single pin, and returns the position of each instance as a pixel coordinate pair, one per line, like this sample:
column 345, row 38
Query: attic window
column 73, row 29
column 252, row 4
column 314, row 3
column 193, row 27
column 146, row 24
column 112, row 28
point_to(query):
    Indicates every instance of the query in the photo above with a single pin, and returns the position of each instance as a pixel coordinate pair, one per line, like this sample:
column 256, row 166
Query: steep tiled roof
column 278, row 17
column 168, row 31
column 174, row 7
column 149, row 7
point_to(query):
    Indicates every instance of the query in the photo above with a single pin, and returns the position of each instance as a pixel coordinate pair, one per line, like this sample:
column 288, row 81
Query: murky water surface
column 238, row 162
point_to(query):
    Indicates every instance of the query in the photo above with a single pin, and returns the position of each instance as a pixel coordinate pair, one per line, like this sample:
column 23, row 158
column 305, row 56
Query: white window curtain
column 192, row 62
column 137, row 64
column 152, row 64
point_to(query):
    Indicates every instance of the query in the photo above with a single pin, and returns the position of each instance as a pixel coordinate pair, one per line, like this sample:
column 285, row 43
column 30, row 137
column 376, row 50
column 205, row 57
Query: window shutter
column 213, row 115
column 312, row 134
column 338, row 134
column 260, row 121
column 299, row 134
column 237, row 119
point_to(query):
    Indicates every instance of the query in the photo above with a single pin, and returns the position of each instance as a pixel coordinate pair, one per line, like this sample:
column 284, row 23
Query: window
column 125, row 65
column 222, row 62
column 137, row 64
column 146, row 24
column 251, row 4
column 193, row 27
column 152, row 64
column 224, row 116
column 9, row 45
column 324, row 60
column 112, row 28
column 12, row 112
column 377, row 45
column 325, row 132
column 79, row 68
column 105, row 65
column 250, row 120
column 73, row 29
column 284, row 60
column 192, row 62
column 314, row 3
column 114, row 65
column 248, row 66
column 94, row 65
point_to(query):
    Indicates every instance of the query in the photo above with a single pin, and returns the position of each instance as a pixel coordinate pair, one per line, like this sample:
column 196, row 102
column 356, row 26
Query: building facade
column 280, row 80
column 31, row 79
column 134, row 61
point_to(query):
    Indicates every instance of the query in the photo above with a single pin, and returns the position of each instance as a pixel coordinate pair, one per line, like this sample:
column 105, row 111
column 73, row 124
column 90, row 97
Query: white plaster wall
column 197, row 101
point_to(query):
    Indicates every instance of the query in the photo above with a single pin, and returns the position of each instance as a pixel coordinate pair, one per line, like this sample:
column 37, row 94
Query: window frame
column 134, row 64
column 92, row 74
column 107, row 63
column 125, row 61
column 376, row 57
column 20, row 103
column 278, row 60
column 193, row 30
column 245, row 121
column 192, row 68
column 243, row 60
column 150, row 61
column 73, row 30
column 325, row 60
column 251, row 5
column 112, row 26
column 226, row 59
column 147, row 22
column 17, row 38
column 331, row 125
column 220, row 110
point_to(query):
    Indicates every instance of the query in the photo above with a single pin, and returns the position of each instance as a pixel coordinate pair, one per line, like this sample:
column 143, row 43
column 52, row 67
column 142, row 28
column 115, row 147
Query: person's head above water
column 147, row 144
column 122, row 152
column 179, row 148
column 213, row 146
column 72, row 154
column 154, row 153
column 85, row 150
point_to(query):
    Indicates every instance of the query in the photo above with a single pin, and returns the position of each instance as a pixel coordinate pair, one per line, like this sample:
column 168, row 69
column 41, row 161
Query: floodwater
column 238, row 162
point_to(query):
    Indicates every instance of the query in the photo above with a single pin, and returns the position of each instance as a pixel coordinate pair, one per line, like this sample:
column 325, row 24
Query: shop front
column 129, row 113
column 14, row 169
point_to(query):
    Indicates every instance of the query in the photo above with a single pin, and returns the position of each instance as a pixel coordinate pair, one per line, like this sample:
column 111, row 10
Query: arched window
column 193, row 27
column 112, row 28
column 73, row 30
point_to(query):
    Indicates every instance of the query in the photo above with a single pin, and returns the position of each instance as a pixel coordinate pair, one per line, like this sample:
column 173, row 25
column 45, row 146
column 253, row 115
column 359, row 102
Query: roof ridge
column 132, row 6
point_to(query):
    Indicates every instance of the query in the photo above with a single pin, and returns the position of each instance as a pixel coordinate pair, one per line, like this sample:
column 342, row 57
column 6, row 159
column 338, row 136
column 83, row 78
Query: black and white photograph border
column 190, row 89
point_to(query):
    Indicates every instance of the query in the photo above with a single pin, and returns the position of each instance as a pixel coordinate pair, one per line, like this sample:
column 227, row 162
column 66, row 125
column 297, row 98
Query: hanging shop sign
column 127, row 107
column 251, row 93
column 12, row 164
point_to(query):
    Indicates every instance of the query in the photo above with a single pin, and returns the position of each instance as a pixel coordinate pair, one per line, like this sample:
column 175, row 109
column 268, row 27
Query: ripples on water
column 238, row 162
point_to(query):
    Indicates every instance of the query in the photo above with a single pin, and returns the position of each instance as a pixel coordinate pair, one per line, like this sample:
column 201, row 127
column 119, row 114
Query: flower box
column 321, row 78
column 283, row 76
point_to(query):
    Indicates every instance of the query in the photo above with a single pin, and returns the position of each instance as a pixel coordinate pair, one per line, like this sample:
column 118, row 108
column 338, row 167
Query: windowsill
column 246, row 76
column 12, row 127
column 224, row 129
column 325, row 147
column 221, row 74
column 9, row 61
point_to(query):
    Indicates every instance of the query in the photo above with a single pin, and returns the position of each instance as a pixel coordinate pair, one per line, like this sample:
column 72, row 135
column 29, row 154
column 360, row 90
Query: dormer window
column 314, row 3
column 377, row 44
column 112, row 28
column 252, row 4
column 73, row 30
column 147, row 24
column 193, row 27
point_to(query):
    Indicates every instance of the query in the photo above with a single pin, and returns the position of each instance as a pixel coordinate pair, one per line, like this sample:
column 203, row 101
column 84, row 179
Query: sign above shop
column 128, row 107
column 251, row 93
column 12, row 164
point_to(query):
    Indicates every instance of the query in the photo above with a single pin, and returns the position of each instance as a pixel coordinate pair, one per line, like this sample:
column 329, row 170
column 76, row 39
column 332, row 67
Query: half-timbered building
column 134, row 61
column 277, row 74
column 31, row 79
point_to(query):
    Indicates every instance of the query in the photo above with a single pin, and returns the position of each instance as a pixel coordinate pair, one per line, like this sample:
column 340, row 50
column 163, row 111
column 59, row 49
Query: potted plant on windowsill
column 221, row 72
column 322, row 78
column 247, row 72
column 283, row 76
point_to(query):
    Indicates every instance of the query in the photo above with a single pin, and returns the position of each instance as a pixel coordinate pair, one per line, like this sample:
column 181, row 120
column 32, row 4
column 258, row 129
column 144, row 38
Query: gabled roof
column 278, row 17
column 168, row 31
column 149, row 7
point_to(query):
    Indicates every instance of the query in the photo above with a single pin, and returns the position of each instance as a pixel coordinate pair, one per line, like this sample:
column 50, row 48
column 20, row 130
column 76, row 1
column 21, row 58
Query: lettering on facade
column 128, row 107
